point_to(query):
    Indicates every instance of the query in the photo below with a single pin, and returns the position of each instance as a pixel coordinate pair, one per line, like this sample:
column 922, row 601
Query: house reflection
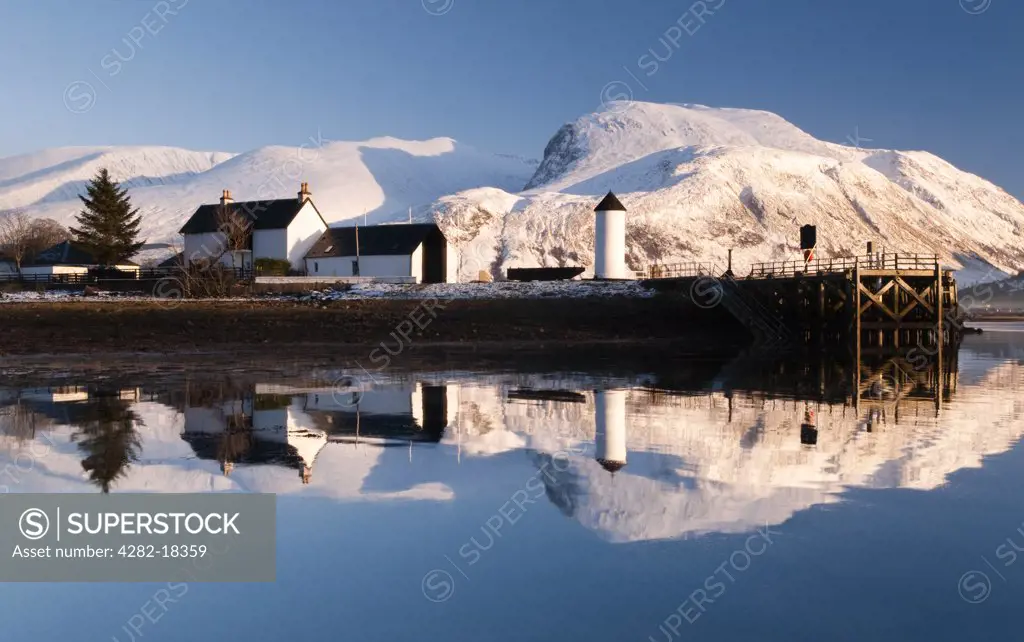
column 289, row 426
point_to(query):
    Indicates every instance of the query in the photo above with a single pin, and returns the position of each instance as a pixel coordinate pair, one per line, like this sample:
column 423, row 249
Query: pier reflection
column 705, row 446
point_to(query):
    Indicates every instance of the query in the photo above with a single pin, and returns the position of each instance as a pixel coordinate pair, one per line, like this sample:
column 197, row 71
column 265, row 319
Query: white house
column 283, row 229
column 418, row 250
column 67, row 258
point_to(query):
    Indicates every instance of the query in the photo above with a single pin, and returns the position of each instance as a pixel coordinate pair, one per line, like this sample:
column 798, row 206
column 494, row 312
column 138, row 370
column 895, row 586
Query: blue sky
column 939, row 75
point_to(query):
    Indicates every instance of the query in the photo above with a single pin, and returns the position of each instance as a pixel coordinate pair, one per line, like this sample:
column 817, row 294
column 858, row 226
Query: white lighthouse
column 610, row 406
column 610, row 240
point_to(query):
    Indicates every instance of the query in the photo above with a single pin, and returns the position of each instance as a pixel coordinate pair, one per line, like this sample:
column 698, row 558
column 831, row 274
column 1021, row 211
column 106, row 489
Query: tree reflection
column 107, row 436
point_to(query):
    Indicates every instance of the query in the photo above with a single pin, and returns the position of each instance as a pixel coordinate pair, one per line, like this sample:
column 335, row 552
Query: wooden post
column 856, row 309
column 938, row 331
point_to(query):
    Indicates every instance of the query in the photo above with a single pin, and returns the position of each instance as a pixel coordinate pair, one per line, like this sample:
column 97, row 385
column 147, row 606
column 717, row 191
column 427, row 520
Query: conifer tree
column 108, row 227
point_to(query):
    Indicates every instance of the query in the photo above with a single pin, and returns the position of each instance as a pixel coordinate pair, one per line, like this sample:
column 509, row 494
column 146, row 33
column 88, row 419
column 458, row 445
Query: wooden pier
column 873, row 304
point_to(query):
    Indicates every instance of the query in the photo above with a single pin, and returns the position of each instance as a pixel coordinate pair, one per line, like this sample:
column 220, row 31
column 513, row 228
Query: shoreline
column 55, row 330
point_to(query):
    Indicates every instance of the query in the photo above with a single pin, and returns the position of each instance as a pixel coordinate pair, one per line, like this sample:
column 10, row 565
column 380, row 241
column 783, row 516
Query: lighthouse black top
column 610, row 204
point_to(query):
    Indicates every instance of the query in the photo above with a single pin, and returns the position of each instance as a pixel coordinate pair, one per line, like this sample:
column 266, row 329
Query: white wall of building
column 416, row 264
column 389, row 400
column 55, row 269
column 610, row 245
column 305, row 230
column 368, row 266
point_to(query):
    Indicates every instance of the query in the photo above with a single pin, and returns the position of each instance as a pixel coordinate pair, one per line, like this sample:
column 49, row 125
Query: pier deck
column 881, row 303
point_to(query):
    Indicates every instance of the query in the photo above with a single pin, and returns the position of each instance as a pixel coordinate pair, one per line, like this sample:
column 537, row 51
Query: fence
column 104, row 277
column 776, row 269
column 677, row 270
column 784, row 269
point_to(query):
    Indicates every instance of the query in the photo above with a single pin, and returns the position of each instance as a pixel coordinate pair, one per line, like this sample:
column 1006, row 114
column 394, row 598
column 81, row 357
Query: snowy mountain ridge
column 380, row 178
column 698, row 181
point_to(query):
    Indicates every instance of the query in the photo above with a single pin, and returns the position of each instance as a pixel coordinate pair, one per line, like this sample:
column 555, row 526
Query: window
column 355, row 268
column 316, row 266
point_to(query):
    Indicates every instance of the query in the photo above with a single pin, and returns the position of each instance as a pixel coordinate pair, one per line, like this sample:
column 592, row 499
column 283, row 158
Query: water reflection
column 705, row 447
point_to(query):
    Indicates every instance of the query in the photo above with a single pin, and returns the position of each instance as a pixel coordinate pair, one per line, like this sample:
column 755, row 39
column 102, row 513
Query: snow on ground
column 364, row 291
column 499, row 290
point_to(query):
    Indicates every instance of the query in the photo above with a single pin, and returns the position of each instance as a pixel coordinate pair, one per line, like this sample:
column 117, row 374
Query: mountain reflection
column 705, row 447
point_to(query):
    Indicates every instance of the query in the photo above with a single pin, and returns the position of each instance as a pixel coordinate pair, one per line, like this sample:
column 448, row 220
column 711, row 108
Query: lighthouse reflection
column 707, row 446
column 610, row 437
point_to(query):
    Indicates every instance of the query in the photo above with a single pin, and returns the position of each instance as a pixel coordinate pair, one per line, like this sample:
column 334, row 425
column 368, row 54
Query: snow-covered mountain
column 382, row 178
column 698, row 181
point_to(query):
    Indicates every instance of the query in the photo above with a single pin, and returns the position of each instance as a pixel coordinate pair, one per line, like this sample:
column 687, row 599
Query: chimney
column 225, row 197
column 304, row 193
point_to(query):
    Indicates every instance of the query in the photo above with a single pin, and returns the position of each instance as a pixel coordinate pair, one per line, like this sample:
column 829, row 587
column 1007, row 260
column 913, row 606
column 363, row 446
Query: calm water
column 699, row 501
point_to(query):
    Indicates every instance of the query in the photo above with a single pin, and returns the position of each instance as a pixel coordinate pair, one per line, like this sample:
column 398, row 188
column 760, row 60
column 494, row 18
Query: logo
column 438, row 586
column 346, row 392
column 974, row 587
column 438, row 7
column 616, row 97
column 34, row 524
column 975, row 7
column 706, row 292
column 79, row 97
column 170, row 291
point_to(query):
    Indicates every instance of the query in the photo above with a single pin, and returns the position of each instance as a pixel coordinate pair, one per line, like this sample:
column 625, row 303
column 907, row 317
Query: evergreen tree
column 108, row 227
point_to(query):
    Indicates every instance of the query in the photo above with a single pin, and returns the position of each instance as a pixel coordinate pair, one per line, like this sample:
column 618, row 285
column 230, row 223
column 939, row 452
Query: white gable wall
column 270, row 244
column 304, row 231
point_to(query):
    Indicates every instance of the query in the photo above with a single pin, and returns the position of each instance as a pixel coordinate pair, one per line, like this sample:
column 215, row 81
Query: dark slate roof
column 610, row 204
column 374, row 240
column 250, row 449
column 175, row 261
column 265, row 215
column 68, row 253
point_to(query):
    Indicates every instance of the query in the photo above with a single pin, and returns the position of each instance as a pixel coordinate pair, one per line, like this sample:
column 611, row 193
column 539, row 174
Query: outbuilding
column 68, row 258
column 418, row 251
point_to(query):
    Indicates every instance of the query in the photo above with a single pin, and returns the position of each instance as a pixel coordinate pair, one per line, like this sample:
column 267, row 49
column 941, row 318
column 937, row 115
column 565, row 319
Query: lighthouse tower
column 611, row 429
column 610, row 240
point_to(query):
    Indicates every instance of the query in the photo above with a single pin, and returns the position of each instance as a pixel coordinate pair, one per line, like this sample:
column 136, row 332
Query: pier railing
column 680, row 270
column 781, row 269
